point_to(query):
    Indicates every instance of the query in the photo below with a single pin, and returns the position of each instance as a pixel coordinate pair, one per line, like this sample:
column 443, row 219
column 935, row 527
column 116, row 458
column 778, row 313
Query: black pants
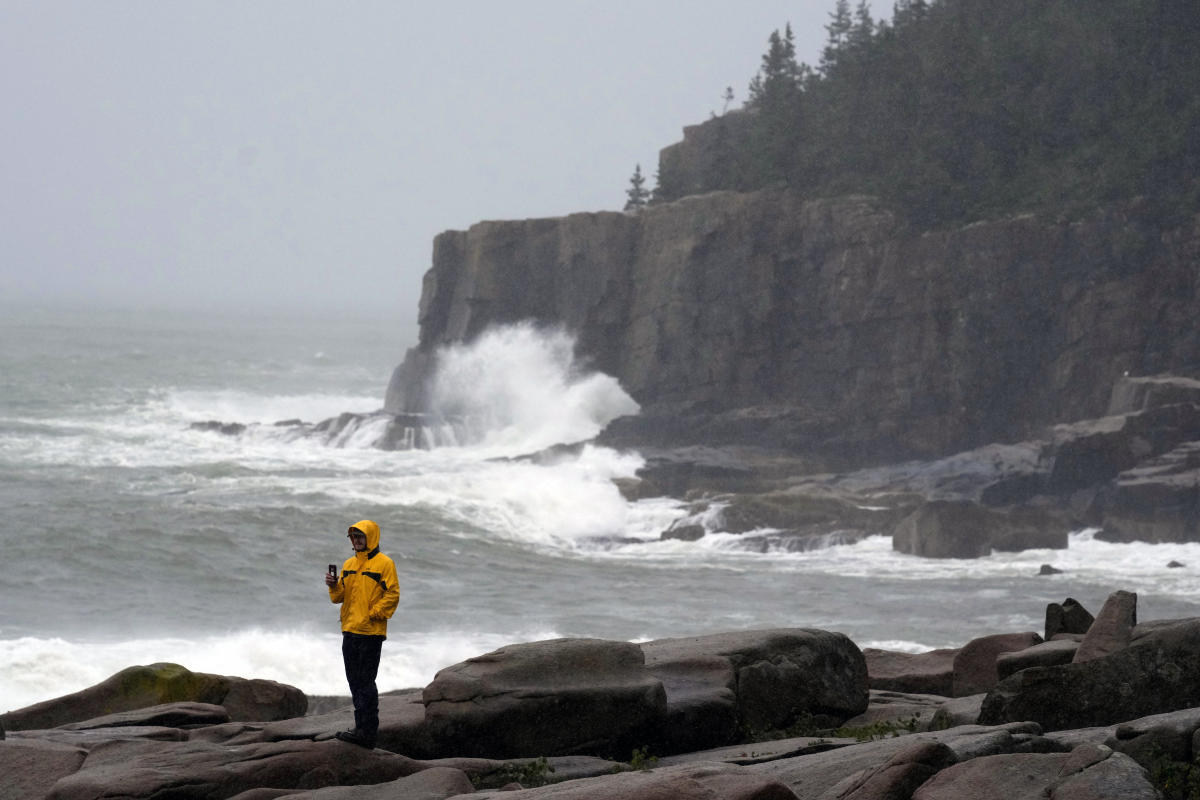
column 361, row 656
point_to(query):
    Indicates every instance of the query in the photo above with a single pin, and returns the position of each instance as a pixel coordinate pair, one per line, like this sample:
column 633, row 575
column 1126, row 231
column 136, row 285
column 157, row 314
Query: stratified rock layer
column 826, row 325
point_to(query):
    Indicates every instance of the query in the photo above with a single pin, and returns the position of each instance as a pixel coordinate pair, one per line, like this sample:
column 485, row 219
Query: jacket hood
column 371, row 530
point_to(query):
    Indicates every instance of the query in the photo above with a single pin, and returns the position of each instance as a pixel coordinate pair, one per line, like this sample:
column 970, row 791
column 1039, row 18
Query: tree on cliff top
column 954, row 111
column 776, row 99
column 637, row 195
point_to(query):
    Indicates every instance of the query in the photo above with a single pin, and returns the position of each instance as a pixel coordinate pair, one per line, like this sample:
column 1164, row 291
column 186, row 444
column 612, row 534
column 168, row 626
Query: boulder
column 931, row 672
column 1089, row 771
column 1149, row 739
column 957, row 711
column 1157, row 673
column 205, row 771
column 31, row 767
column 557, row 697
column 975, row 664
column 1067, row 617
column 728, row 687
column 1112, row 630
column 685, row 782
column 966, row 529
column 156, row 684
column 1046, row 654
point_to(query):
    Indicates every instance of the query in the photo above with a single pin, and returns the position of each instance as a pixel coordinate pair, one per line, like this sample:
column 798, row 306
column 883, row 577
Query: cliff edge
column 827, row 326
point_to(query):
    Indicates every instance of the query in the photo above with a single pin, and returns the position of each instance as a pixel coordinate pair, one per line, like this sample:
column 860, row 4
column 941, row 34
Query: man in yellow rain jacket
column 368, row 592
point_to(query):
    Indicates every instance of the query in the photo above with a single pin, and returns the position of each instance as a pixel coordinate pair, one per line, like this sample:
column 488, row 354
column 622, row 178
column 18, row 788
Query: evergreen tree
column 727, row 96
column 837, row 32
column 864, row 27
column 637, row 195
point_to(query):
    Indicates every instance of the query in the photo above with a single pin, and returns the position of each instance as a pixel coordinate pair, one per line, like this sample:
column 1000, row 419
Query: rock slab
column 557, row 697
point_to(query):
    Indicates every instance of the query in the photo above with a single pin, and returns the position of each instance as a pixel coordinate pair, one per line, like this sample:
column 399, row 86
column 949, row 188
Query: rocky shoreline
column 1134, row 474
column 1102, row 707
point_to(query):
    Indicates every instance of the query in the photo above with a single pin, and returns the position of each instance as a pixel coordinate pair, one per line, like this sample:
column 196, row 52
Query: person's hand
column 330, row 581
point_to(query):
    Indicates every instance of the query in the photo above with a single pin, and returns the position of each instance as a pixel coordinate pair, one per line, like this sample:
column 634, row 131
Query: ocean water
column 129, row 537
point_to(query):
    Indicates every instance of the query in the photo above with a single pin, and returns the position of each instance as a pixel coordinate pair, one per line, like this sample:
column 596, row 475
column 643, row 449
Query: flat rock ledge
column 759, row 714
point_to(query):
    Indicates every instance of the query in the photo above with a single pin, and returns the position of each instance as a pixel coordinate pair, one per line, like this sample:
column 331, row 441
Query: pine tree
column 864, row 27
column 727, row 96
column 776, row 96
column 778, row 80
column 637, row 195
column 837, row 34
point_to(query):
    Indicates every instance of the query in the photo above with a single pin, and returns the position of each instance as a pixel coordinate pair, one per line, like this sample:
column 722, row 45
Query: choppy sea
column 129, row 537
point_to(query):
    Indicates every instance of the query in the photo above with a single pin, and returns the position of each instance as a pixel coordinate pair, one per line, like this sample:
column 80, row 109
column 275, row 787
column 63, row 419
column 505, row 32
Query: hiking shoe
column 355, row 736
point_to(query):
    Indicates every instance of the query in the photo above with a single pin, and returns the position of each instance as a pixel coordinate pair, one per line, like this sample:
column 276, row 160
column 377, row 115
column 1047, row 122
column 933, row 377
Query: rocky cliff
column 827, row 326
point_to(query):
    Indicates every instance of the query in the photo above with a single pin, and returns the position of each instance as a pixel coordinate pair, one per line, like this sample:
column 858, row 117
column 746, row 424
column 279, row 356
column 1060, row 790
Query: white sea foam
column 520, row 389
column 36, row 669
column 897, row 645
column 228, row 405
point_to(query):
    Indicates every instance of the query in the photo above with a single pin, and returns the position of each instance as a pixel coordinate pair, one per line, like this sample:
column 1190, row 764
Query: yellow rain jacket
column 367, row 587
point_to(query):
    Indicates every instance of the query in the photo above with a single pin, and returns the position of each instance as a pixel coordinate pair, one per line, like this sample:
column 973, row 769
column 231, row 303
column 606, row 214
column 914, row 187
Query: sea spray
column 520, row 389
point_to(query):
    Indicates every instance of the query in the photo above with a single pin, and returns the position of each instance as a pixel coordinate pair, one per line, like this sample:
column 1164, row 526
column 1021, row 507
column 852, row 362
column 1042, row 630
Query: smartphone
column 333, row 570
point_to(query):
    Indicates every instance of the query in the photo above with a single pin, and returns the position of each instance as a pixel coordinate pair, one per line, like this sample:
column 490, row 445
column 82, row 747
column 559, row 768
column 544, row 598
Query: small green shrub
column 641, row 759
column 883, row 729
column 1177, row 780
column 529, row 774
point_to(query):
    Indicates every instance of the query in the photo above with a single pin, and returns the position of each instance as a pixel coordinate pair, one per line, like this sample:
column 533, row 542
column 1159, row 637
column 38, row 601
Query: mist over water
column 140, row 539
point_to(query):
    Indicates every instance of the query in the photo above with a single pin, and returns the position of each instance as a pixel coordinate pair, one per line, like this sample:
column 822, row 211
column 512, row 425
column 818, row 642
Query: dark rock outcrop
column 963, row 529
column 1112, row 629
column 558, row 697
column 1068, row 617
column 144, row 686
column 1158, row 672
column 725, row 687
column 825, row 326
column 797, row 518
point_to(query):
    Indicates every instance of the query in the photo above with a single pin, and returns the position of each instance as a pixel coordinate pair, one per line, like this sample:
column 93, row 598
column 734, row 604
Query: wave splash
column 520, row 388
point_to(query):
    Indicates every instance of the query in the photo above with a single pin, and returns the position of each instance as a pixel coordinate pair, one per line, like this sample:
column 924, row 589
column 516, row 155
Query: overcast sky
column 303, row 155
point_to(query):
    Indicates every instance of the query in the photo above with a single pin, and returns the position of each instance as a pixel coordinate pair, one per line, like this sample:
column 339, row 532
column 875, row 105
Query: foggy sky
column 303, row 155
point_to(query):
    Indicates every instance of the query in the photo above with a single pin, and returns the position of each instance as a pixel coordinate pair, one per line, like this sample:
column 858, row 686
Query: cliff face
column 826, row 325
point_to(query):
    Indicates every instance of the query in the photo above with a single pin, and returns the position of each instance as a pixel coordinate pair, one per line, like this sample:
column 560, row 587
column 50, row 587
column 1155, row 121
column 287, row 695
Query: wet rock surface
column 1092, row 729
